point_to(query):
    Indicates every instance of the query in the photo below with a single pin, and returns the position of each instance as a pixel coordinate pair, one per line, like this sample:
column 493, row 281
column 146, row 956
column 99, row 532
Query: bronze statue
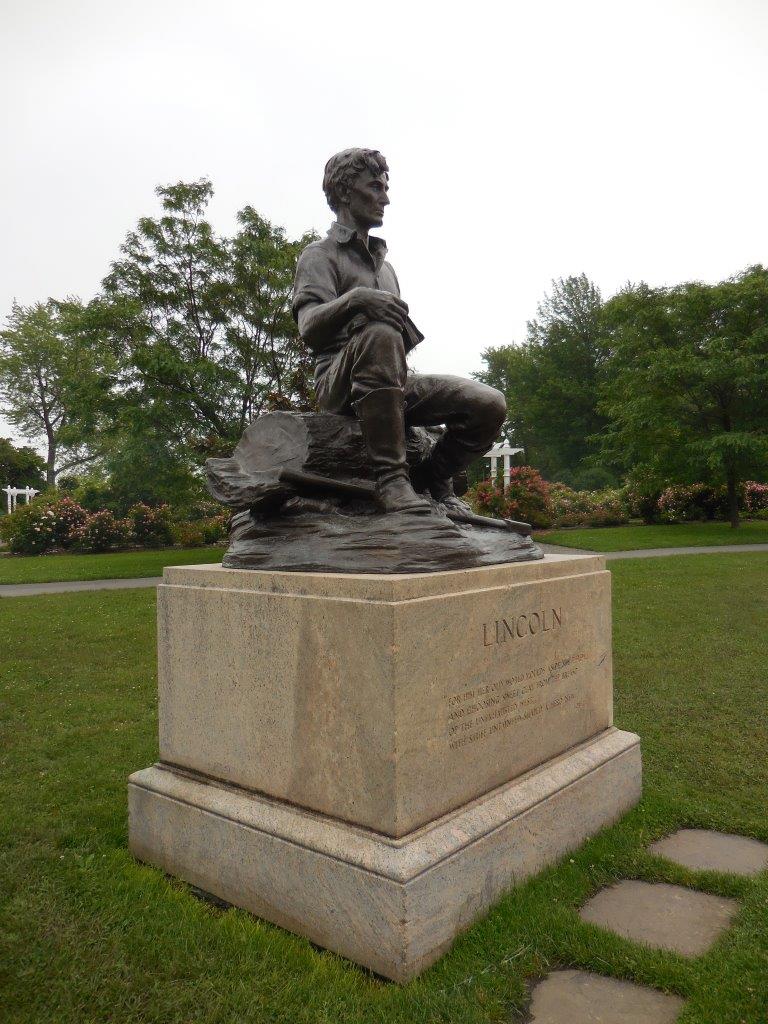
column 361, row 486
column 348, row 307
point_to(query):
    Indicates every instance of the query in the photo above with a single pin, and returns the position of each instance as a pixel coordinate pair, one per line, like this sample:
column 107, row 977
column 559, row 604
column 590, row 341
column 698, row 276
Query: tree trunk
column 733, row 497
column 50, row 469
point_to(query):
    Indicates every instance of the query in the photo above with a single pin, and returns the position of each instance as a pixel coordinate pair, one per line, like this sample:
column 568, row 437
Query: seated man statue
column 349, row 311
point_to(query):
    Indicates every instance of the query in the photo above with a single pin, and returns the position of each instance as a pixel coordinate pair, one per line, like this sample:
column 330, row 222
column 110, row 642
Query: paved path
column 557, row 549
column 28, row 589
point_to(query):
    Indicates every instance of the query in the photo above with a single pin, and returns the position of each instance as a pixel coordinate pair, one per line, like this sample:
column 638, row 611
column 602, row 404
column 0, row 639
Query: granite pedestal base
column 371, row 761
column 394, row 906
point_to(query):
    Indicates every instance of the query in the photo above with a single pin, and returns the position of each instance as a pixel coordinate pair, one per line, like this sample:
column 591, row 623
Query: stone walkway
column 28, row 589
column 655, row 914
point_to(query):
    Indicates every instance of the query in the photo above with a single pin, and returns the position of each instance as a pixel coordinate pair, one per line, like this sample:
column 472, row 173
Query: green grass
column 632, row 538
column 87, row 935
column 123, row 565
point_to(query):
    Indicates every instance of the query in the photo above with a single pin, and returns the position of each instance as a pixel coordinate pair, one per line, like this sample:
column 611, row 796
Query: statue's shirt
column 334, row 266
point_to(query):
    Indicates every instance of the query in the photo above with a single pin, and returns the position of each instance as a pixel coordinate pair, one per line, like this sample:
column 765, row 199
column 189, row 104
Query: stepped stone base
column 391, row 904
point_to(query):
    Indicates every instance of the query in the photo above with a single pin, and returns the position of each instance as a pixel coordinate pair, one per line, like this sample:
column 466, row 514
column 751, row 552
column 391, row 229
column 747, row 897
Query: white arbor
column 501, row 450
column 14, row 493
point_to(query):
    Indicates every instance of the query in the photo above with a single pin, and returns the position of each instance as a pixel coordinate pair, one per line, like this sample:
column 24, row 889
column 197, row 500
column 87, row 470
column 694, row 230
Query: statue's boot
column 448, row 458
column 381, row 415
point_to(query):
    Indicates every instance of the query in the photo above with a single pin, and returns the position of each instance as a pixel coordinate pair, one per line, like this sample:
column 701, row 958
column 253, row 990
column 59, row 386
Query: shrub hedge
column 530, row 498
column 52, row 523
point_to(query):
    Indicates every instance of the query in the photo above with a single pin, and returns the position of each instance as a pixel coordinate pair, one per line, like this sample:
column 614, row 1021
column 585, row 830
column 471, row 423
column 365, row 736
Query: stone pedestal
column 371, row 761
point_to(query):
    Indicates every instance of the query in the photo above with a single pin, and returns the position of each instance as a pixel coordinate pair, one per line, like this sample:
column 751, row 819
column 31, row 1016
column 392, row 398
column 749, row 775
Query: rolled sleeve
column 315, row 279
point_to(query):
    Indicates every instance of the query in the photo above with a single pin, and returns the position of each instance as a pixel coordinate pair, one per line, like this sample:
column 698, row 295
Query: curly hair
column 342, row 169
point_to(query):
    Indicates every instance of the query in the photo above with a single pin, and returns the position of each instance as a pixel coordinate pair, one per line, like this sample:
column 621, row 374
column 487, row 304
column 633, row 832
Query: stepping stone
column 702, row 850
column 575, row 997
column 667, row 916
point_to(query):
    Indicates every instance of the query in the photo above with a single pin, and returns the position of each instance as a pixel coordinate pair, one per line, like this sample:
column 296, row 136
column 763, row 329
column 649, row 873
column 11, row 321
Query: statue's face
column 367, row 198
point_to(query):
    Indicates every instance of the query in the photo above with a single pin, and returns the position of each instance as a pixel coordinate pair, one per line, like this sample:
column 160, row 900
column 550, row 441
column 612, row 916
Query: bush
column 607, row 507
column 215, row 528
column 755, row 499
column 569, row 507
column 686, row 503
column 68, row 517
column 525, row 498
column 188, row 535
column 202, row 508
column 46, row 523
column 642, row 501
column 102, row 532
column 689, row 502
column 30, row 530
column 152, row 526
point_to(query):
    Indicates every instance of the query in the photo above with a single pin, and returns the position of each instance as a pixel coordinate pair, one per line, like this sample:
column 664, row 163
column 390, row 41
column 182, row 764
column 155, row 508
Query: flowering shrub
column 102, row 532
column 215, row 528
column 151, row 525
column 30, row 530
column 188, row 535
column 755, row 499
column 204, row 508
column 525, row 498
column 569, row 507
column 41, row 525
column 68, row 517
column 607, row 507
column 685, row 503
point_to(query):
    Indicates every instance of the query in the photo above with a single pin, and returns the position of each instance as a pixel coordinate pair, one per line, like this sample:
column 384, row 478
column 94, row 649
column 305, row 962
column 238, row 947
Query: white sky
column 526, row 141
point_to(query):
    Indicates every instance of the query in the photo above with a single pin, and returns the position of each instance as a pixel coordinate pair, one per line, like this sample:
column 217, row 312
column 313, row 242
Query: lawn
column 87, row 935
column 633, row 538
column 111, row 566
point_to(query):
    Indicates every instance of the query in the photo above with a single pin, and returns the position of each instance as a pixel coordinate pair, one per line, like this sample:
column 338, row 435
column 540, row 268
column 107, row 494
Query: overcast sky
column 526, row 141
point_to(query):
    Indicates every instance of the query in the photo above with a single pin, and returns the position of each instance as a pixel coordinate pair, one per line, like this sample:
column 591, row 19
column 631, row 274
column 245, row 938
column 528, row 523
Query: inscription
column 483, row 711
column 519, row 627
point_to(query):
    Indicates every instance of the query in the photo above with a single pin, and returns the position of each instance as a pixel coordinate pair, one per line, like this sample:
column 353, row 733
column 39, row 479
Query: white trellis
column 14, row 493
column 501, row 450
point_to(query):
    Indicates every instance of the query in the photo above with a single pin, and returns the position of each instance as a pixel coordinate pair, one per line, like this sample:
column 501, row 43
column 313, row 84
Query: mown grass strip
column 121, row 565
column 635, row 538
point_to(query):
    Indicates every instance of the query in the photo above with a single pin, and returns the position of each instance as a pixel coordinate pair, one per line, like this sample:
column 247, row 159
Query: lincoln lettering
column 518, row 627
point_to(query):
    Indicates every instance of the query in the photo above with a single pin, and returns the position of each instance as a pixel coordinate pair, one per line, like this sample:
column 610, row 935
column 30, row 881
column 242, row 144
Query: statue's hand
column 380, row 306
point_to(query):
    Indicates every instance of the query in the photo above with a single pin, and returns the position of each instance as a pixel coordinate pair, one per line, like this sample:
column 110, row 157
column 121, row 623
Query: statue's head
column 358, row 180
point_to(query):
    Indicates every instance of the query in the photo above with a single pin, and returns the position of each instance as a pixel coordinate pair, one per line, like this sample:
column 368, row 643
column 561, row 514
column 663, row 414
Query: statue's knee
column 384, row 335
column 494, row 407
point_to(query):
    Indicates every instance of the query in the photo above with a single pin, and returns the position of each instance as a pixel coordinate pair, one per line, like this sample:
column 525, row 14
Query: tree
column 551, row 381
column 53, row 381
column 274, row 364
column 203, row 322
column 686, row 388
column 20, row 467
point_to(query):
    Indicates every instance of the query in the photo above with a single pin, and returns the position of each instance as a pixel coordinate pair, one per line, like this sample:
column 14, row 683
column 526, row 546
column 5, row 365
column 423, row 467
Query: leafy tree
column 54, row 379
column 686, row 388
column 274, row 365
column 203, row 322
column 551, row 382
column 20, row 467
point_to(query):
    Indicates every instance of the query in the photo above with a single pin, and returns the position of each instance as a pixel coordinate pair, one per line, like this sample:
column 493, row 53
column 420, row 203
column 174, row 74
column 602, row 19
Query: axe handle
column 298, row 478
column 489, row 522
